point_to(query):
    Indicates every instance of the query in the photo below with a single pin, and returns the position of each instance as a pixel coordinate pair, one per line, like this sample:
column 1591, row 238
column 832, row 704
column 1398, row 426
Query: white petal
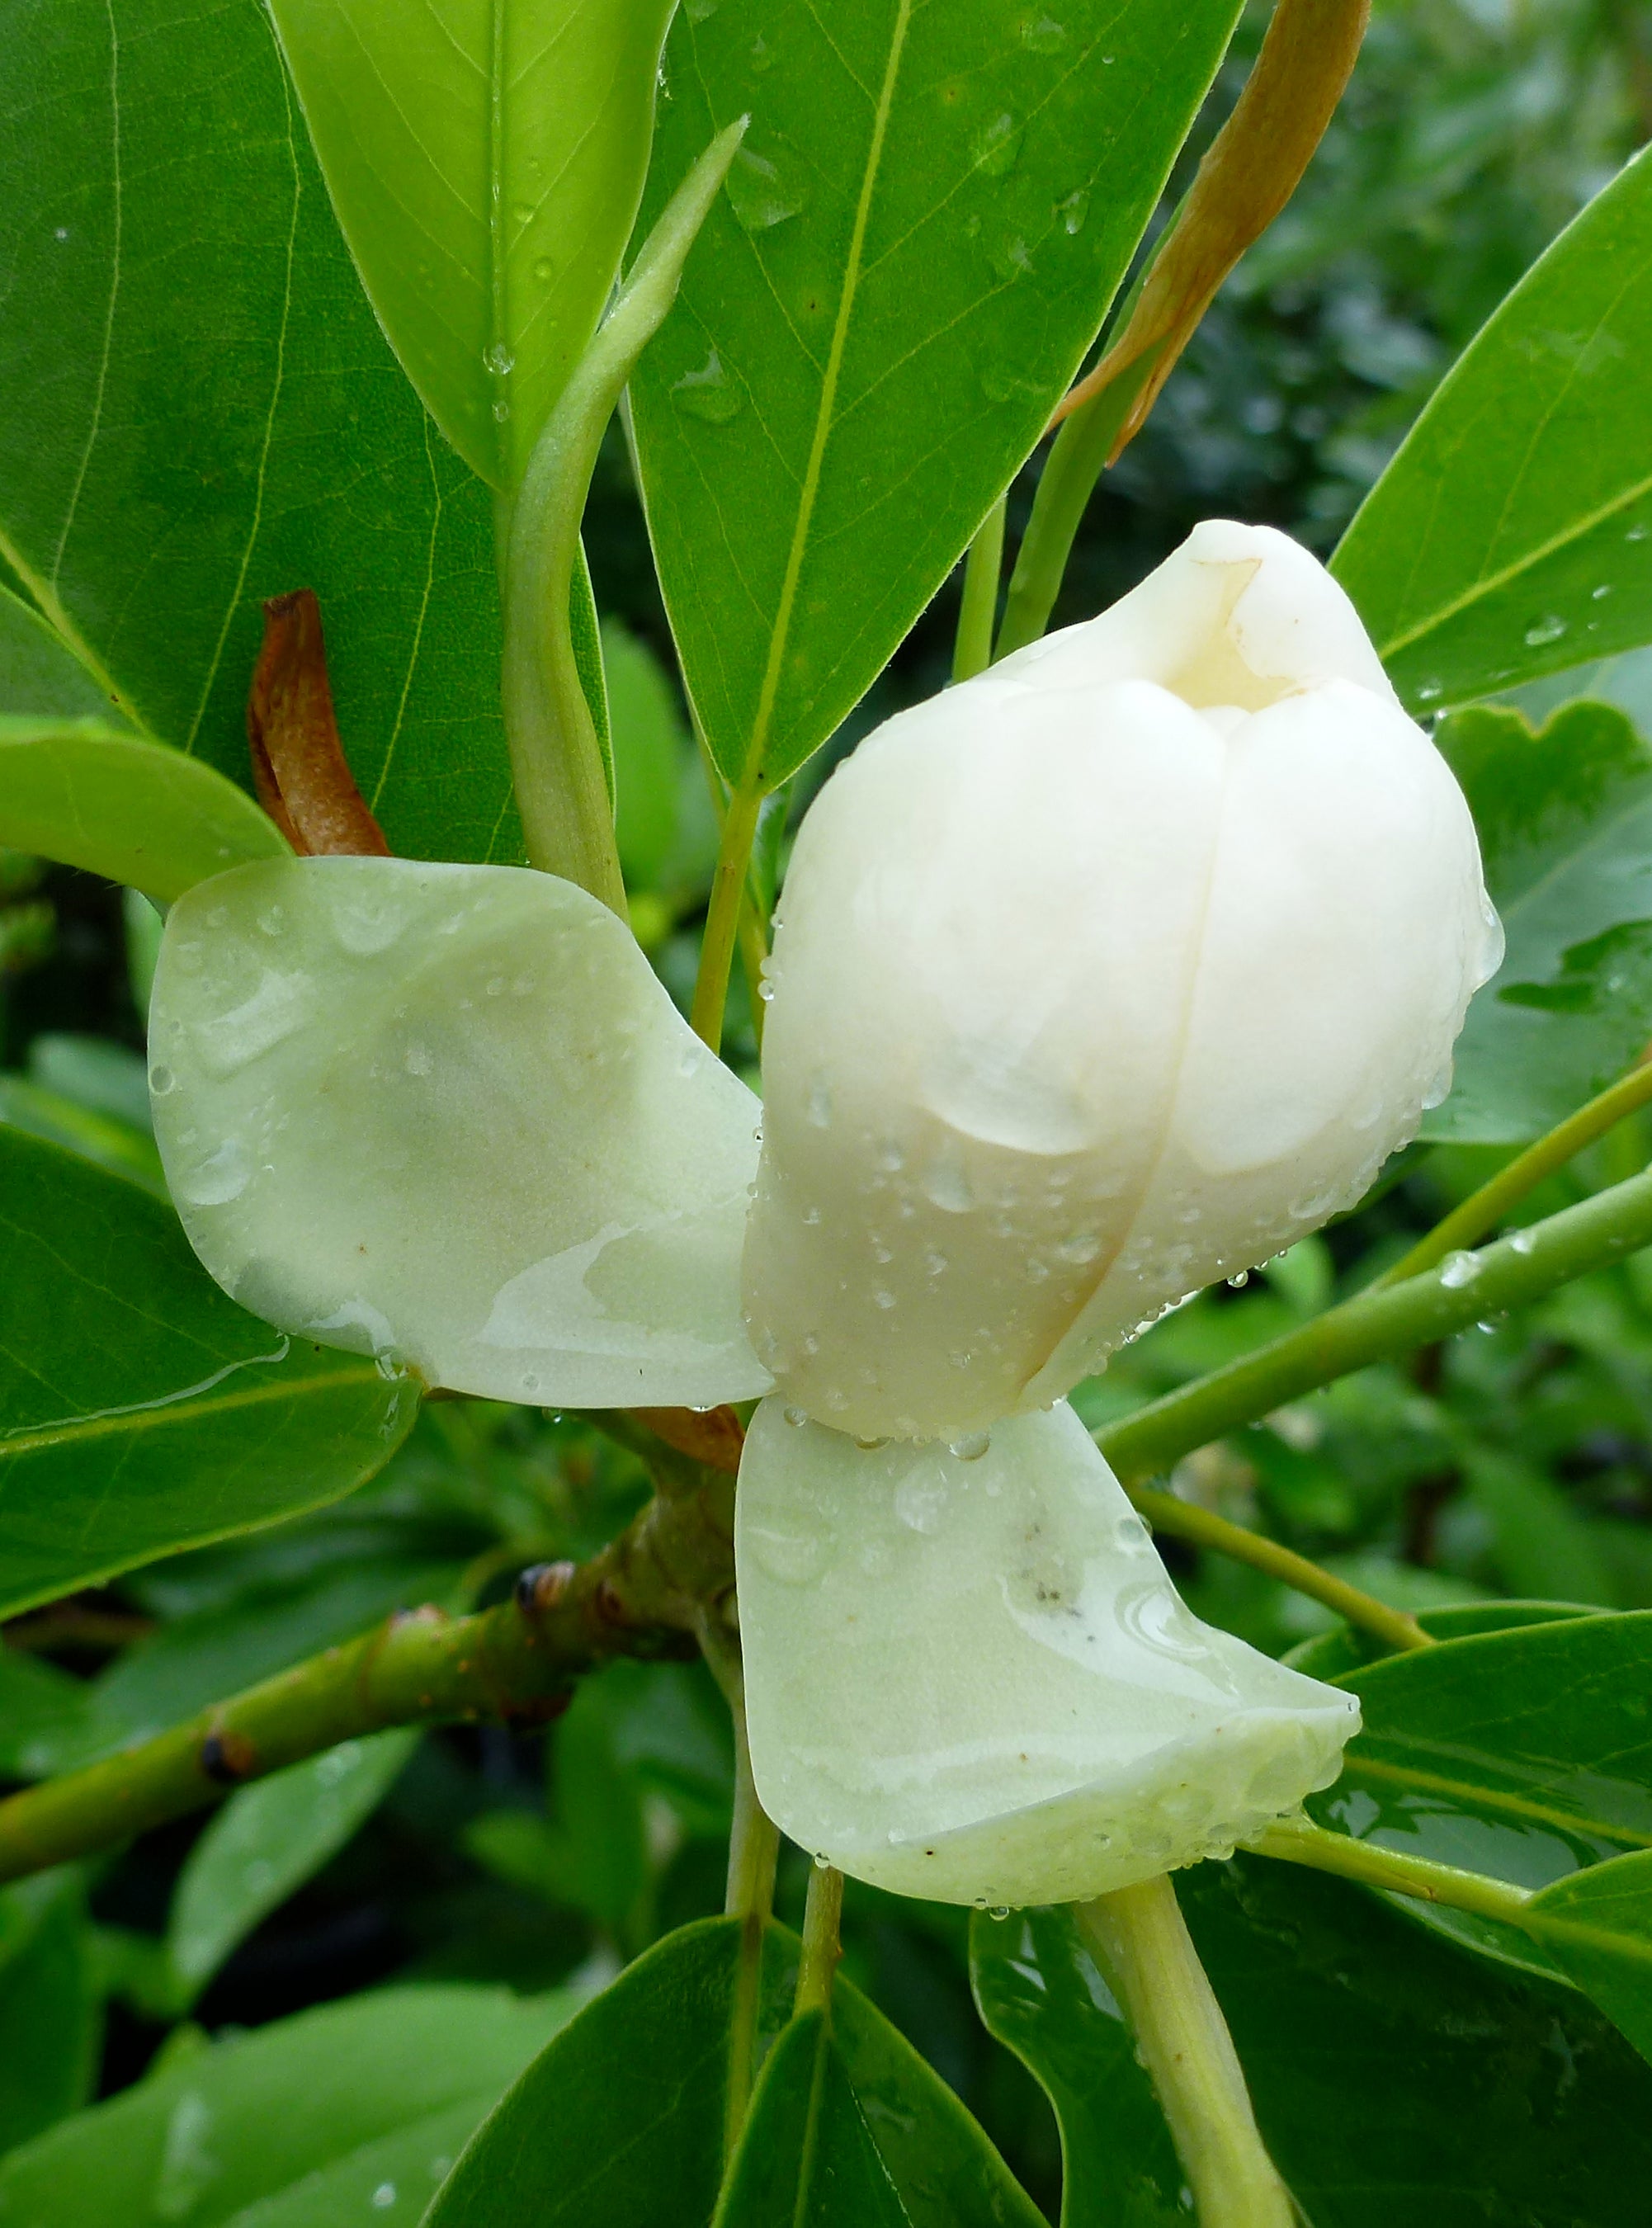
column 1344, row 934
column 1238, row 615
column 448, row 1113
column 980, row 979
column 969, row 1678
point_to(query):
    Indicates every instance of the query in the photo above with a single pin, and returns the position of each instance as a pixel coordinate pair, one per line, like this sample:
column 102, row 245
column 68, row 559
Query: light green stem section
column 1074, row 465
column 1203, row 1528
column 1141, row 1940
column 972, row 650
column 1466, row 1224
column 753, row 1846
column 1376, row 1326
column 1299, row 1841
column 556, row 751
column 821, row 1948
column 723, row 916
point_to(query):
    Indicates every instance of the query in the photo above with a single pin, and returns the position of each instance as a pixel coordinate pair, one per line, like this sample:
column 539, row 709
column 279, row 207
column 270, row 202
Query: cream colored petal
column 969, row 1678
column 980, row 978
column 449, row 1114
column 1346, row 931
column 1238, row 615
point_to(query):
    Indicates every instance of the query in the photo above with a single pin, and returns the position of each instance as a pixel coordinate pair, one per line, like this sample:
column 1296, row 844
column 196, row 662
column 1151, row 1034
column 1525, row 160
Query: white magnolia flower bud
column 1109, row 973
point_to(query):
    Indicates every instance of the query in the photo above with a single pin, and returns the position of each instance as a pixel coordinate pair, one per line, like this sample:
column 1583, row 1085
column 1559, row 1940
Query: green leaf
column 87, row 794
column 1525, row 1754
column 1512, row 534
column 267, row 1841
column 1396, row 2080
column 849, row 2126
column 228, row 2126
column 49, row 2022
column 627, row 2102
column 485, row 164
column 392, row 2179
column 173, row 451
column 96, row 1072
column 1565, row 819
column 40, row 1708
column 929, row 216
column 1539, row 1536
column 652, row 754
column 1038, row 1989
column 38, row 674
column 1597, row 1926
column 1329, row 1654
column 113, row 1145
column 140, row 1410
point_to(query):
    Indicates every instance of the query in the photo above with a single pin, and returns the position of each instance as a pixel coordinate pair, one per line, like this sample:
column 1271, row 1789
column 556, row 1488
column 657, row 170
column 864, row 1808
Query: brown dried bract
column 303, row 779
column 712, row 1436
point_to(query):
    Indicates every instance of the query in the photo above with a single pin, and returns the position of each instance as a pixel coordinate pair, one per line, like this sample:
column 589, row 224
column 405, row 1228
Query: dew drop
column 971, row 1446
column 890, row 1158
column 161, row 1080
column 1458, row 1269
column 1238, row 1280
column 501, row 411
column 883, row 1298
column 223, row 1176
column 762, row 190
column 1429, row 691
column 822, row 1862
column 1073, row 211
column 1547, row 629
column 1638, row 533
column 500, row 359
column 384, row 2196
column 996, row 146
column 545, row 270
column 1597, row 594
column 709, row 393
column 871, row 1445
column 1523, row 1241
column 1000, row 1911
column 796, row 1417
column 818, row 1104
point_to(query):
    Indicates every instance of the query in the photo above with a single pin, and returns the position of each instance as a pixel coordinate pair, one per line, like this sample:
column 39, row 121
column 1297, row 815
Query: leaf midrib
column 1477, row 1795
column 824, row 415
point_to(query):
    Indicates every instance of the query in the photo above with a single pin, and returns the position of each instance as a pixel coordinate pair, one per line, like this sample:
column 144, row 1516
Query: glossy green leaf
column 96, row 1072
column 202, row 412
column 1512, row 534
column 267, row 1841
column 40, row 1708
column 849, row 2125
column 627, row 2103
column 485, row 164
column 652, row 754
column 140, row 1410
column 39, row 1112
column 919, row 237
column 1525, row 1754
column 50, row 2024
column 1038, row 1989
column 1329, row 1654
column 87, row 794
column 392, row 2180
column 38, row 674
column 1598, row 1926
column 219, row 2131
column 1396, row 2080
column 1565, row 819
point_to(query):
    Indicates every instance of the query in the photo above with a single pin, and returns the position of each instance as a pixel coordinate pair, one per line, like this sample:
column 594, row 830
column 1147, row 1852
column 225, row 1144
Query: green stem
column 972, row 652
column 1203, row 1528
column 1140, row 1938
column 823, row 1913
column 1376, row 1326
column 1299, row 1841
column 1075, row 463
column 647, row 1593
column 1468, row 1223
column 753, row 1848
column 723, row 916
column 556, row 751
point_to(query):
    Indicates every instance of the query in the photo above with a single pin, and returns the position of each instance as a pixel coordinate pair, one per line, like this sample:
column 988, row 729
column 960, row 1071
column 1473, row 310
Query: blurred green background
column 1517, row 1459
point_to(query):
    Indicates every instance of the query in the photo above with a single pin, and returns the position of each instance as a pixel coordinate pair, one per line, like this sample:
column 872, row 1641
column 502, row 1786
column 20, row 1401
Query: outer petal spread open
column 1110, row 972
column 969, row 1677
column 448, row 1113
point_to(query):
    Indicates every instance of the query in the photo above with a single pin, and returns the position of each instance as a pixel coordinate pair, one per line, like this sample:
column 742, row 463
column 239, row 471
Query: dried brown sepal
column 303, row 779
column 1253, row 167
column 712, row 1436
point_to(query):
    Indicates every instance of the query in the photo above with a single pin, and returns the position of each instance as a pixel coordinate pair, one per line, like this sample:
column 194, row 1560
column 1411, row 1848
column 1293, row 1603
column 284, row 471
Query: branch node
column 541, row 1586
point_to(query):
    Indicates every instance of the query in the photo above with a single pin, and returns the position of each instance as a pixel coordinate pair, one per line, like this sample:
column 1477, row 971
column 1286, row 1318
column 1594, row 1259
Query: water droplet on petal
column 971, row 1446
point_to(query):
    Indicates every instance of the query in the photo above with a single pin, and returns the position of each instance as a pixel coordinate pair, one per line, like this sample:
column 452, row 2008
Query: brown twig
column 299, row 770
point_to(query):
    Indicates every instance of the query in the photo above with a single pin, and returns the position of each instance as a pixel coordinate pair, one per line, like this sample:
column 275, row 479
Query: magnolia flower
column 1106, row 974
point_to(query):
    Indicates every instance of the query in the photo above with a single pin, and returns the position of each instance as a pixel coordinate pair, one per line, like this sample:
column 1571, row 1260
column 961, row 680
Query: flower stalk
column 1140, row 1939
